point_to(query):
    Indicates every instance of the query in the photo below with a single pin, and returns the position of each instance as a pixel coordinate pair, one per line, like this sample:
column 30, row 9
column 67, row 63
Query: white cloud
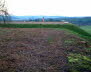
column 50, row 7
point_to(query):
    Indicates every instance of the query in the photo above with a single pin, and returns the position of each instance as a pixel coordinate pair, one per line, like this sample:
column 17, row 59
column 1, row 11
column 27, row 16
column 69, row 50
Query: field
column 71, row 27
column 36, row 22
column 44, row 48
column 86, row 28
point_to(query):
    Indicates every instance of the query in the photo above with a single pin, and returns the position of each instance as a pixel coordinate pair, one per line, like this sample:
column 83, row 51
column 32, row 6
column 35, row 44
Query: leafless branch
column 4, row 12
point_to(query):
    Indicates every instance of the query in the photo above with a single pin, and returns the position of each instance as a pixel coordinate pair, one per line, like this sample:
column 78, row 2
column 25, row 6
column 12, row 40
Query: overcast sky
column 50, row 7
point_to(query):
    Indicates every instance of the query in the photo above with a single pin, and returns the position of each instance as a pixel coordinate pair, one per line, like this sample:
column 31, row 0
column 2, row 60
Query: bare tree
column 4, row 15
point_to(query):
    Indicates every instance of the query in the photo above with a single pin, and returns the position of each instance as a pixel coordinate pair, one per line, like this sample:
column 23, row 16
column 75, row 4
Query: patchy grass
column 39, row 49
column 49, row 44
column 69, row 41
column 89, row 48
column 79, row 63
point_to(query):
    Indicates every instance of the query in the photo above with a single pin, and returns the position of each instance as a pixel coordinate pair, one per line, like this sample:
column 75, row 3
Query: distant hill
column 33, row 17
column 74, row 20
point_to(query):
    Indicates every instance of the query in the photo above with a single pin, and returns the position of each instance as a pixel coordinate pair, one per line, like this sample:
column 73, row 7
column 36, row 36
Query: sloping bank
column 71, row 27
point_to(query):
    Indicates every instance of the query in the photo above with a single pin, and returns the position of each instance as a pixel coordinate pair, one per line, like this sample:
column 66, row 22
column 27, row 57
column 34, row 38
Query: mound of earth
column 36, row 49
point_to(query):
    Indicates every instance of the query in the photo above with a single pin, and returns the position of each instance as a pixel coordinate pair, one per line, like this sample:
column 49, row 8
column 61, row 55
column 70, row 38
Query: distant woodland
column 74, row 20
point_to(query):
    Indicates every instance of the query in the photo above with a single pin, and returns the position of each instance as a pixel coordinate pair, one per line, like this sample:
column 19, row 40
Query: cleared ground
column 37, row 22
column 36, row 49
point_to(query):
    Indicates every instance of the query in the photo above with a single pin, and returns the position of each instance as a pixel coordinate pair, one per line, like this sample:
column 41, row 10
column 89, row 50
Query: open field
column 70, row 27
column 39, row 50
column 24, row 22
column 44, row 48
column 86, row 28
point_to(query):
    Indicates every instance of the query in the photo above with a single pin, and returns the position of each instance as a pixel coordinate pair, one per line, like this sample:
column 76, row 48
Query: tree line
column 6, row 18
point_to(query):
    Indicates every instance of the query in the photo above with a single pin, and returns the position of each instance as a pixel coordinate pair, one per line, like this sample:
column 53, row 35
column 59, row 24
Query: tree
column 4, row 15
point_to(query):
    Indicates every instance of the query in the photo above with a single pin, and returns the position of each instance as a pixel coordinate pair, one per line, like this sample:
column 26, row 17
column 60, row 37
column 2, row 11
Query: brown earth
column 36, row 50
column 37, row 22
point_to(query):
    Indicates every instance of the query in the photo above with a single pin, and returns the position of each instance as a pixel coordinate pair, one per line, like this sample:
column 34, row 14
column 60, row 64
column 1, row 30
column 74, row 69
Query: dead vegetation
column 36, row 50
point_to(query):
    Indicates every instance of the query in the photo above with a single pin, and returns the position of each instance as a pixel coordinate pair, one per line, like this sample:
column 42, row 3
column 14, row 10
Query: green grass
column 86, row 28
column 79, row 62
column 70, row 27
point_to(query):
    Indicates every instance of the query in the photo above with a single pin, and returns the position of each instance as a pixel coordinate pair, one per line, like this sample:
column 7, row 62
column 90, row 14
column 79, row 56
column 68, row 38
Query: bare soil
column 22, row 22
column 36, row 49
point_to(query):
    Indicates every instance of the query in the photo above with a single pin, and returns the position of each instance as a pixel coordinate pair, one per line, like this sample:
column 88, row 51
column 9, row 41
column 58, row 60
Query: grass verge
column 86, row 28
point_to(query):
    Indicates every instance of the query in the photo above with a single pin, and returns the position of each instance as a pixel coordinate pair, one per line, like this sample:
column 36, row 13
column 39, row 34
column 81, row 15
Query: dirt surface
column 36, row 50
column 38, row 22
